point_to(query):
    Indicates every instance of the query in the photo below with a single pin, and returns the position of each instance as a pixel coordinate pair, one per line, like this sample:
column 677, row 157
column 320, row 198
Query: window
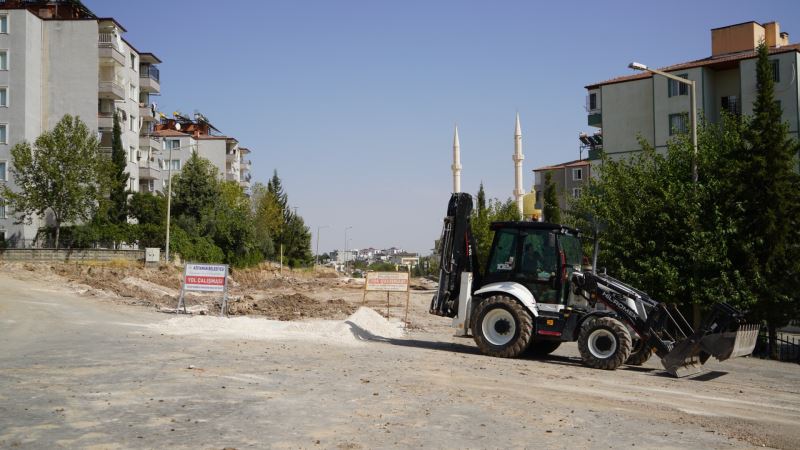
column 2, row 215
column 577, row 174
column 133, row 92
column 133, row 62
column 4, row 24
column 502, row 259
column 132, row 184
column 3, row 59
column 776, row 70
column 3, row 96
column 173, row 144
column 730, row 104
column 3, row 171
column 675, row 87
column 678, row 123
column 592, row 102
column 133, row 123
column 3, row 133
column 176, row 164
column 132, row 154
column 576, row 192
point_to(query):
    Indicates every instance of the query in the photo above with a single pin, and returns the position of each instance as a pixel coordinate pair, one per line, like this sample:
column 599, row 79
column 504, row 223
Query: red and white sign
column 205, row 277
column 387, row 281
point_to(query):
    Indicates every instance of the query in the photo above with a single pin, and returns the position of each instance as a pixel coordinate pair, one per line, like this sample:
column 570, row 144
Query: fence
column 788, row 347
column 72, row 255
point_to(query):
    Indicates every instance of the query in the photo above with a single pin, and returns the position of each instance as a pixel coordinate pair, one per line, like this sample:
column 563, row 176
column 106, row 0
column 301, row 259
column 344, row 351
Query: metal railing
column 787, row 347
column 149, row 71
column 107, row 40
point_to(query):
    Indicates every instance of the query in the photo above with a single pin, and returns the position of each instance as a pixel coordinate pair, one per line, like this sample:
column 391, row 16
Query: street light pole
column 169, row 195
column 693, row 109
column 345, row 246
column 693, row 118
column 316, row 258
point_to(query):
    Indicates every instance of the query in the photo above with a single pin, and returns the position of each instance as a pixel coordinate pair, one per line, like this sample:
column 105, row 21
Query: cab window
column 539, row 255
column 502, row 259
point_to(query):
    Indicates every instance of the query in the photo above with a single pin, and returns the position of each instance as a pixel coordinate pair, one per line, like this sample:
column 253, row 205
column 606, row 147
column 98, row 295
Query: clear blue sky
column 353, row 102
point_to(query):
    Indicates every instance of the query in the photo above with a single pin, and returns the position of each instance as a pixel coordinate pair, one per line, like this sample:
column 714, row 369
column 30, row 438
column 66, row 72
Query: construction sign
column 388, row 282
column 205, row 278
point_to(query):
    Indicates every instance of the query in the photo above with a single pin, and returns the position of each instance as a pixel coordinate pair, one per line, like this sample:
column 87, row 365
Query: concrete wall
column 627, row 112
column 563, row 180
column 45, row 254
column 70, row 64
column 214, row 151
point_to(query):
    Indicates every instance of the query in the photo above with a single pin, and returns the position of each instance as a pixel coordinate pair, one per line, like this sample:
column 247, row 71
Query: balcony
column 146, row 113
column 149, row 79
column 111, row 90
column 149, row 173
column 105, row 120
column 109, row 50
column 245, row 184
column 595, row 120
column 147, row 141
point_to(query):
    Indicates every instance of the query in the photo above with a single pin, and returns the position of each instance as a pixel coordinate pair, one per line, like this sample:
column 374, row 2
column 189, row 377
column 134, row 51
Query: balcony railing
column 149, row 71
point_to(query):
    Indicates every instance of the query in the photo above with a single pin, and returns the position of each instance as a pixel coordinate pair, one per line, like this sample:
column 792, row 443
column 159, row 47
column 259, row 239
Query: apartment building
column 56, row 58
column 657, row 109
column 568, row 179
column 181, row 136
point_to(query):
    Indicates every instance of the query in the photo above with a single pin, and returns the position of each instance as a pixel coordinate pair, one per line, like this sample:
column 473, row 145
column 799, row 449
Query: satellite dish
column 177, row 126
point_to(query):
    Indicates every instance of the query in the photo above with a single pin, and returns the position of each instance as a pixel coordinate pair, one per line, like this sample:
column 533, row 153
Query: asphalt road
column 79, row 372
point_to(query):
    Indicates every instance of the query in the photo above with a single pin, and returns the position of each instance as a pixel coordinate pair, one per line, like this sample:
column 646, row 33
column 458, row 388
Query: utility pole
column 316, row 256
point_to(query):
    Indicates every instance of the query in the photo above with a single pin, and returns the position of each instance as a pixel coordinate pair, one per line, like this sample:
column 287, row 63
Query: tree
column 230, row 224
column 663, row 233
column 57, row 175
column 267, row 217
column 196, row 189
column 768, row 236
column 117, row 177
column 550, row 209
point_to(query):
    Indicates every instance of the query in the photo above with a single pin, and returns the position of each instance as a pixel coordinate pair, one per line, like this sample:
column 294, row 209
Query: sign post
column 388, row 282
column 200, row 277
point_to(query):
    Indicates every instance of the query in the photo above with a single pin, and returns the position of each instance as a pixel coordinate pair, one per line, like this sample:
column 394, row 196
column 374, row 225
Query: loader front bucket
column 723, row 335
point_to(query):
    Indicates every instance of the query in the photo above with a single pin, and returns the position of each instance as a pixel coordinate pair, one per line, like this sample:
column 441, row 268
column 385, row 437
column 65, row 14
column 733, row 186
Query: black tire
column 502, row 327
column 539, row 349
column 604, row 343
column 640, row 353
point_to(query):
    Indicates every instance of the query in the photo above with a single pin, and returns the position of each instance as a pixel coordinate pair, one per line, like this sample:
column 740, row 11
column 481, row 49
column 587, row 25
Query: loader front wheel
column 604, row 343
column 639, row 354
column 502, row 327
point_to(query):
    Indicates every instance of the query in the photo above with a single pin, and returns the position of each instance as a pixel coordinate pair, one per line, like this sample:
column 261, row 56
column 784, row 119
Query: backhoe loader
column 536, row 293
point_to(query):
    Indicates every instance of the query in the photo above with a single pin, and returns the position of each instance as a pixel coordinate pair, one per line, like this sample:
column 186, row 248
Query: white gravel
column 363, row 325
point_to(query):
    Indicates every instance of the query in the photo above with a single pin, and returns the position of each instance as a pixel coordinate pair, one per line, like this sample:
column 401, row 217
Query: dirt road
column 84, row 372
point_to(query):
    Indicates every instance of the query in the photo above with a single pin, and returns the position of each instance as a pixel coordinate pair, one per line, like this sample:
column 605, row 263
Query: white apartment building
column 178, row 138
column 56, row 58
column 656, row 108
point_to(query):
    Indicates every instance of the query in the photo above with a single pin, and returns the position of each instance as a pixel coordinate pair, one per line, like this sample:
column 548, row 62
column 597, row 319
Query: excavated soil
column 291, row 307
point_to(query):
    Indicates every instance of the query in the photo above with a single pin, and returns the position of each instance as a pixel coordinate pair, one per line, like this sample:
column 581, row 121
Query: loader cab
column 539, row 256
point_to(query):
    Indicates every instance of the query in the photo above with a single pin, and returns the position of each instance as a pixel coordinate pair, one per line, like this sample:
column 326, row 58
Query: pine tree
column 768, row 239
column 550, row 210
column 118, row 177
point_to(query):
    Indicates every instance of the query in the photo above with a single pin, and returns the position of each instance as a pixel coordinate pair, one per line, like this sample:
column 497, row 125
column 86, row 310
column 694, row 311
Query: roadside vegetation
column 733, row 236
column 84, row 194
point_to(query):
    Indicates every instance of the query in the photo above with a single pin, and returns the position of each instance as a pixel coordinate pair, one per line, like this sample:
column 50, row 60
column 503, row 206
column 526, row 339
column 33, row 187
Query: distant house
column 568, row 178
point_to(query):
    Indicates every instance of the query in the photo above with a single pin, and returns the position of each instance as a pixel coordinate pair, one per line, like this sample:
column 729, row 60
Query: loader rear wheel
column 539, row 349
column 502, row 327
column 604, row 343
column 639, row 354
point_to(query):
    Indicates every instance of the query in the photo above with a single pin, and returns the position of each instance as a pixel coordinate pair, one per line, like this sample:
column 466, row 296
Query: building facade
column 181, row 136
column 568, row 179
column 657, row 109
column 57, row 58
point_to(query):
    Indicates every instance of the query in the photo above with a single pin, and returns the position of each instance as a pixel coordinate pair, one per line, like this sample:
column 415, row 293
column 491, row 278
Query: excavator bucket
column 723, row 335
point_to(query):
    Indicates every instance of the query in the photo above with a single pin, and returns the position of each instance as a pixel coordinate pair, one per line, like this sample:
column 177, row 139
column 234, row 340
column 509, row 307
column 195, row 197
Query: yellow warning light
column 549, row 322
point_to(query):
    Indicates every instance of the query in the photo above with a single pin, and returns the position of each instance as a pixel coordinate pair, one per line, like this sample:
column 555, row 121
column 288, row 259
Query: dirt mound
column 290, row 307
